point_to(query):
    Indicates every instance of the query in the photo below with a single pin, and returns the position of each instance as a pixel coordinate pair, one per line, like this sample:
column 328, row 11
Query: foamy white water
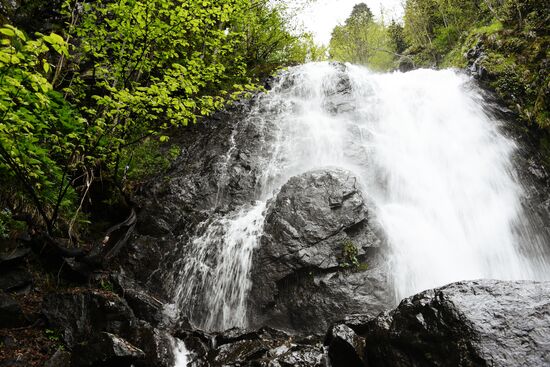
column 433, row 162
column 181, row 354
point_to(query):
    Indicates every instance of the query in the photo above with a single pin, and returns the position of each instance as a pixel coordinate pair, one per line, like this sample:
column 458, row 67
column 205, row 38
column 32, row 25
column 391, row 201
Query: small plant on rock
column 349, row 257
column 349, row 254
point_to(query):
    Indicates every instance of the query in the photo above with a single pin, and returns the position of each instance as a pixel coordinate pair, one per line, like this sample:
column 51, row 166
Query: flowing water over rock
column 435, row 169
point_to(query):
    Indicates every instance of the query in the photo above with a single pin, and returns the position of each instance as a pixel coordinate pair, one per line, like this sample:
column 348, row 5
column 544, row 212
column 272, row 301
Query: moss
column 149, row 158
column 489, row 29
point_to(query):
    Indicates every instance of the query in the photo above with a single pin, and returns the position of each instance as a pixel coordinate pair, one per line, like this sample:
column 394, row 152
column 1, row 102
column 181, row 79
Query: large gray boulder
column 474, row 323
column 319, row 256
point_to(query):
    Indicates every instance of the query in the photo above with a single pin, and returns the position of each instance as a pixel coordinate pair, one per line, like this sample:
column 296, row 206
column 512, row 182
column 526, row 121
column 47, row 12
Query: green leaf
column 46, row 66
column 7, row 32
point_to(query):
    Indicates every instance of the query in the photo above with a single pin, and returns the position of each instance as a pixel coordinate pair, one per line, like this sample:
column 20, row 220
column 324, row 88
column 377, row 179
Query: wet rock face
column 338, row 97
column 217, row 171
column 81, row 314
column 102, row 329
column 476, row 323
column 263, row 347
column 106, row 349
column 319, row 255
column 345, row 347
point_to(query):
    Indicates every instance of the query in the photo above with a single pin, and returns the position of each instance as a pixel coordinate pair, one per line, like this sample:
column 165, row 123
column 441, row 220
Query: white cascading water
column 433, row 162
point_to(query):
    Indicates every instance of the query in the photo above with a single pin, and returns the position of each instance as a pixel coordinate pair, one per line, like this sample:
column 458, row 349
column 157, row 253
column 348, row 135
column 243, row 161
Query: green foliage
column 349, row 254
column 397, row 37
column 4, row 230
column 513, row 34
column 149, row 158
column 39, row 131
column 154, row 64
column 349, row 257
column 125, row 72
column 106, row 285
column 267, row 43
column 432, row 27
column 53, row 335
column 361, row 40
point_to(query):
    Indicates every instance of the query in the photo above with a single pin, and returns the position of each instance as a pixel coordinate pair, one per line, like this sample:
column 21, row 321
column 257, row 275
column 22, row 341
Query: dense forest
column 505, row 42
column 88, row 95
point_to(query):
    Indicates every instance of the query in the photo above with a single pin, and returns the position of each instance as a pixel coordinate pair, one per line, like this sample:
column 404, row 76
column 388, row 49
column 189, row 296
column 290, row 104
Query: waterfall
column 430, row 157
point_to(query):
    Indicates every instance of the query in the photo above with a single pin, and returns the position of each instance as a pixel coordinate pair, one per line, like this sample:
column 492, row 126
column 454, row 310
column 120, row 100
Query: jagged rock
column 474, row 323
column 405, row 64
column 106, row 349
column 13, row 257
column 155, row 343
column 345, row 348
column 61, row 358
column 217, row 171
column 14, row 279
column 263, row 347
column 85, row 313
column 144, row 305
column 317, row 223
column 11, row 314
column 338, row 97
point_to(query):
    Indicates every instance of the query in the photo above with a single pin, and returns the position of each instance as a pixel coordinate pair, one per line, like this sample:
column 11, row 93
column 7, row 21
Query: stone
column 262, row 347
column 338, row 98
column 472, row 323
column 345, row 348
column 211, row 175
column 144, row 305
column 13, row 257
column 302, row 278
column 13, row 279
column 61, row 358
column 84, row 313
column 155, row 343
column 106, row 349
column 11, row 314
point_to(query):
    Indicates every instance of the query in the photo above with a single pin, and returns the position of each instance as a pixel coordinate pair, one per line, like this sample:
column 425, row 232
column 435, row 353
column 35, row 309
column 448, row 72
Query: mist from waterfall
column 430, row 158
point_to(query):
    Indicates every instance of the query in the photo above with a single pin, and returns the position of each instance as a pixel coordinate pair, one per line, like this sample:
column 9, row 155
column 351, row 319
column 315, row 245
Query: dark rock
column 14, row 279
column 214, row 173
column 8, row 341
column 338, row 96
column 299, row 282
column 356, row 322
column 235, row 334
column 155, row 343
column 87, row 312
column 475, row 323
column 345, row 348
column 61, row 358
column 106, row 349
column 13, row 363
column 405, row 64
column 144, row 305
column 263, row 347
column 11, row 314
column 13, row 257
